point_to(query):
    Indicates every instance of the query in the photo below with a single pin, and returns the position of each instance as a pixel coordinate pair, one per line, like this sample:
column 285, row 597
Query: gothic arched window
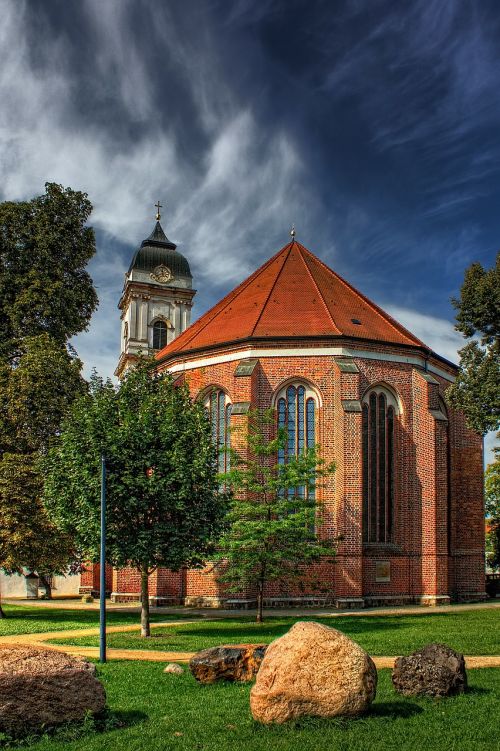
column 379, row 417
column 219, row 408
column 159, row 334
column 296, row 407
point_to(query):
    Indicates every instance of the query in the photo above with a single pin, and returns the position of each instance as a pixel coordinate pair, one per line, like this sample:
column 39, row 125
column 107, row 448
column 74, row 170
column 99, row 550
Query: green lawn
column 468, row 631
column 162, row 712
column 23, row 619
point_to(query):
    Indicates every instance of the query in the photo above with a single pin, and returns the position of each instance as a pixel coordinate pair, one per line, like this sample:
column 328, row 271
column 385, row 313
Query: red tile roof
column 294, row 294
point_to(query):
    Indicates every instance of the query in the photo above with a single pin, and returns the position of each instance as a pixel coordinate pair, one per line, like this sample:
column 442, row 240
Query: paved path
column 40, row 640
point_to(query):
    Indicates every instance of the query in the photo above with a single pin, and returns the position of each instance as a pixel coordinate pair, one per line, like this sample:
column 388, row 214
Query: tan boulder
column 41, row 688
column 313, row 670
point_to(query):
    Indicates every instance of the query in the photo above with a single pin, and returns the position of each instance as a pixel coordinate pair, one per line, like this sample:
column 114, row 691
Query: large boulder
column 41, row 688
column 435, row 670
column 229, row 662
column 313, row 670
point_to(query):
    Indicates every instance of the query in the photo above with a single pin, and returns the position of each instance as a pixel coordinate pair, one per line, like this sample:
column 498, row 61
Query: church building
column 406, row 499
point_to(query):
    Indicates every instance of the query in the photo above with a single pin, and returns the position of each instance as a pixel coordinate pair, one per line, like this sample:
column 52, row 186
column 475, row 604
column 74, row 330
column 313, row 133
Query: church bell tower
column 157, row 298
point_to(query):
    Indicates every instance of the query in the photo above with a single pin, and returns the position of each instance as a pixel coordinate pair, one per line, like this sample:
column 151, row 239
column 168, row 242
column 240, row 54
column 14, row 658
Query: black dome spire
column 157, row 250
column 159, row 238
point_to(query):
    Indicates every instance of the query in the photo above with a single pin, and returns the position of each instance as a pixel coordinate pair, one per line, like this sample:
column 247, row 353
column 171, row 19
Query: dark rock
column 41, row 688
column 229, row 662
column 435, row 670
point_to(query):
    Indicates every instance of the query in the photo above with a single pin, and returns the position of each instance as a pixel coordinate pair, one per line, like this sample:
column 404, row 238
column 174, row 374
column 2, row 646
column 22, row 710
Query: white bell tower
column 157, row 298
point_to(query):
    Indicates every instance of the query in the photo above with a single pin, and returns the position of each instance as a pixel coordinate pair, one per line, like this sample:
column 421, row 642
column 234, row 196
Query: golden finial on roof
column 158, row 207
column 292, row 231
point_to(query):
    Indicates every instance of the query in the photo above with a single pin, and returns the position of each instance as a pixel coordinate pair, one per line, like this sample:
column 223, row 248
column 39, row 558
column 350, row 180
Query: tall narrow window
column 219, row 412
column 159, row 334
column 296, row 408
column 378, row 423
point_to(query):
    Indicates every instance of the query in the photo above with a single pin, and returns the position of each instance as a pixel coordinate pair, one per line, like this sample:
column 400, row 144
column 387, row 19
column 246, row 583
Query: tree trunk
column 145, row 627
column 45, row 582
column 2, row 614
column 260, row 600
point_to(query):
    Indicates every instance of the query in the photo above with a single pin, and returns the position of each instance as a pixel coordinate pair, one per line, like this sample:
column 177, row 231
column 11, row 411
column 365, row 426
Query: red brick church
column 406, row 498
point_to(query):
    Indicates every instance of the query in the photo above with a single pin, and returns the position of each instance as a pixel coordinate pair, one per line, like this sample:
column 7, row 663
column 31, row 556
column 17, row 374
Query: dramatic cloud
column 437, row 333
column 371, row 125
column 245, row 181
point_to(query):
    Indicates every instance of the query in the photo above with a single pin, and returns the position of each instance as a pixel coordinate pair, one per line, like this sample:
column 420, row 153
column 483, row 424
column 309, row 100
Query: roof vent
column 356, row 321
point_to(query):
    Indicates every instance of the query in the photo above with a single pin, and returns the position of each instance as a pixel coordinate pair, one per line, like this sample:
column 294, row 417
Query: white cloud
column 228, row 205
column 246, row 177
column 442, row 337
column 243, row 189
column 491, row 441
column 438, row 333
column 119, row 59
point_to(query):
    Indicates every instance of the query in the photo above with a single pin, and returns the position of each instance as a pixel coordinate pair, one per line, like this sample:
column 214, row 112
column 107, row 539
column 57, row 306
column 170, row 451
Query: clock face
column 162, row 274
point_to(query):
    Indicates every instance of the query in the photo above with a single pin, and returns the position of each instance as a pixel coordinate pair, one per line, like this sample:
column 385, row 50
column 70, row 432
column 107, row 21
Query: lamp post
column 102, row 571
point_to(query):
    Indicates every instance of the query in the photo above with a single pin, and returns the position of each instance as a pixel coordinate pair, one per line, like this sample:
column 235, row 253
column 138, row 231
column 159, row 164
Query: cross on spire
column 158, row 207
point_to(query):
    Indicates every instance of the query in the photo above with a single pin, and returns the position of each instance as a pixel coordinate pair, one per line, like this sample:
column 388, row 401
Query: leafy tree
column 45, row 246
column 46, row 296
column 37, row 393
column 271, row 535
column 164, row 505
column 492, row 507
column 477, row 388
column 28, row 539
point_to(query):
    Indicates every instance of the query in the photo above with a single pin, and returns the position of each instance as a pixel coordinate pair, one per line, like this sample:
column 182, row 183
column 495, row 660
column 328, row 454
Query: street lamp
column 102, row 572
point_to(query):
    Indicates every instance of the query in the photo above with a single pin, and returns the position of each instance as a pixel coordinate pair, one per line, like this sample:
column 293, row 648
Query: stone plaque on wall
column 382, row 571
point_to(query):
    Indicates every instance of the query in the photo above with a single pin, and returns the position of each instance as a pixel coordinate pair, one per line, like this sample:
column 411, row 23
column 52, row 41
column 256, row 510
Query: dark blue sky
column 374, row 125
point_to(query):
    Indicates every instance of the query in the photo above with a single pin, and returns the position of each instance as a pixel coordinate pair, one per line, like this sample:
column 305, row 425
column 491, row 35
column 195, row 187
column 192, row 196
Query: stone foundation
column 433, row 600
column 471, row 597
column 349, row 603
column 153, row 600
column 207, row 601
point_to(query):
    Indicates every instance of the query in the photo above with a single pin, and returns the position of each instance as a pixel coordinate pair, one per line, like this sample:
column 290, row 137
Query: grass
column 167, row 712
column 471, row 632
column 23, row 619
column 153, row 711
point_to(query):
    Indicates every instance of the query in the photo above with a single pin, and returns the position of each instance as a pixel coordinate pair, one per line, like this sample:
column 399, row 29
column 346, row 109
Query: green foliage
column 492, row 507
column 28, row 539
column 477, row 388
column 44, row 248
column 46, row 296
column 271, row 535
column 37, row 393
column 164, row 506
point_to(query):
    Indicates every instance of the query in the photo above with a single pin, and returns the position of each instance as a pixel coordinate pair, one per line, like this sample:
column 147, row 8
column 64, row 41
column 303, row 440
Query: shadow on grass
column 394, row 709
column 477, row 690
column 390, row 709
column 105, row 722
column 116, row 719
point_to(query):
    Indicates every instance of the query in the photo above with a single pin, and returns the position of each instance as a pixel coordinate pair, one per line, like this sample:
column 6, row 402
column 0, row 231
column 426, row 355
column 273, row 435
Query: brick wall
column 437, row 550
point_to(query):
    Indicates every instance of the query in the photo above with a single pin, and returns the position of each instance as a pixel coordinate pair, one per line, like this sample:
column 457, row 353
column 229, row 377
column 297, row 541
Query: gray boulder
column 435, row 670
